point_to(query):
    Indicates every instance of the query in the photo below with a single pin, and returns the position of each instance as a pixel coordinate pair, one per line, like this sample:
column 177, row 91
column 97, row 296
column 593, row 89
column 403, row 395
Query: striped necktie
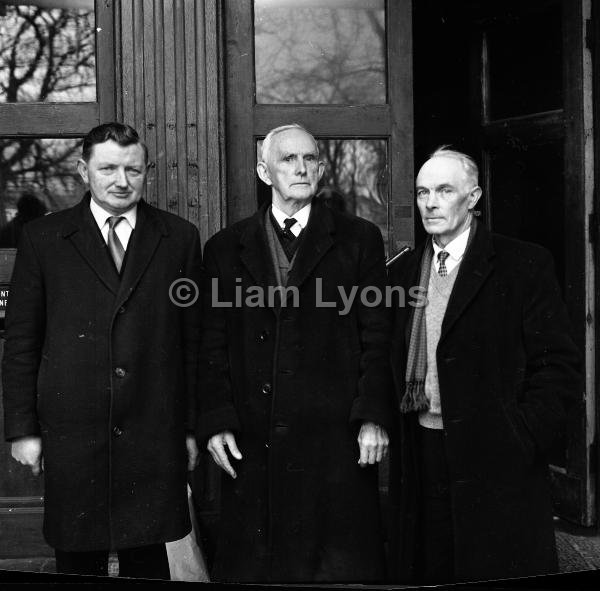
column 117, row 252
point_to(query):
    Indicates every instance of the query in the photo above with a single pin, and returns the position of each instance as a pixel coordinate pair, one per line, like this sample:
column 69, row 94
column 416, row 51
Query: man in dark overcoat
column 290, row 383
column 482, row 373
column 100, row 365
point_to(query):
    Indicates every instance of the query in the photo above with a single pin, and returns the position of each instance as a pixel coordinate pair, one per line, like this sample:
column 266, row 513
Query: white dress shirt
column 123, row 229
column 456, row 249
column 301, row 217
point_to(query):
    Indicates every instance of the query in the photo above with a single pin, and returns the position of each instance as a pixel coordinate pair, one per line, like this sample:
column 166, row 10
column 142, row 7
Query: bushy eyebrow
column 304, row 155
column 437, row 187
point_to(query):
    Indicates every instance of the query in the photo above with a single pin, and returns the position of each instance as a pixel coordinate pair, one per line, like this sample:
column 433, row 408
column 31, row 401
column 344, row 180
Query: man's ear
column 474, row 196
column 321, row 168
column 263, row 173
column 82, row 169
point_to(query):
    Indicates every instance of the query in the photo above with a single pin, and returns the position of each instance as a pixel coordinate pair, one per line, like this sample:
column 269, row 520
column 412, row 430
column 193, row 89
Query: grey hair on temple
column 469, row 165
column 266, row 145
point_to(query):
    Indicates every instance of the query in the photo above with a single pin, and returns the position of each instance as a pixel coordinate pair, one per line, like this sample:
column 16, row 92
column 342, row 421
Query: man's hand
column 217, row 445
column 28, row 451
column 192, row 451
column 373, row 444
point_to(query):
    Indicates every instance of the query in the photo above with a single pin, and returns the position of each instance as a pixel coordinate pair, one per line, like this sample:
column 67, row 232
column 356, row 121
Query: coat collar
column 474, row 269
column 316, row 241
column 81, row 229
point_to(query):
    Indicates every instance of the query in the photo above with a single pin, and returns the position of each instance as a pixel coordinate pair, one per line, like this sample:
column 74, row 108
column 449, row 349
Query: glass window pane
column 320, row 52
column 36, row 176
column 47, row 51
column 525, row 70
column 355, row 179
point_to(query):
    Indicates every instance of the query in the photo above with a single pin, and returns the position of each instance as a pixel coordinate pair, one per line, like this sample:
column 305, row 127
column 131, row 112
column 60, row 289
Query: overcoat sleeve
column 374, row 400
column 191, row 323
column 215, row 398
column 25, row 328
column 552, row 377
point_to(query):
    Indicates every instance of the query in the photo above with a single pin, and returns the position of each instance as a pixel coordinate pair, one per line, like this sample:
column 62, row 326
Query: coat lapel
column 149, row 229
column 255, row 254
column 472, row 273
column 83, row 232
column 316, row 241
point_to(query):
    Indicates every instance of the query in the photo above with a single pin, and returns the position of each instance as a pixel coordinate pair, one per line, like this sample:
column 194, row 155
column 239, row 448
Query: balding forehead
column 293, row 141
column 442, row 163
column 287, row 133
column 464, row 163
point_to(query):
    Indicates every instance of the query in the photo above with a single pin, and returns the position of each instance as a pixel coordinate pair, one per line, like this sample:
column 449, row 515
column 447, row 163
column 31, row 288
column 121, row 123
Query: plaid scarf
column 414, row 398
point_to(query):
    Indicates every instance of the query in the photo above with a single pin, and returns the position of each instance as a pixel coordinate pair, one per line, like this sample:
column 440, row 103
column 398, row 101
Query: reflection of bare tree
column 320, row 55
column 330, row 55
column 45, row 168
column 46, row 55
column 356, row 169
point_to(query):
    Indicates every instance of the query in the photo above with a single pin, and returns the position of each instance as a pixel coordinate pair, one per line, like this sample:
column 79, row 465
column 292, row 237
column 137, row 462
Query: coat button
column 264, row 335
column 120, row 372
column 117, row 432
column 122, row 310
column 267, row 388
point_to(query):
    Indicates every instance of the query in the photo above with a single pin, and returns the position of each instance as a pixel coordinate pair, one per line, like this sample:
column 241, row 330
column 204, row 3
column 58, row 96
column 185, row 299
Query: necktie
column 442, row 256
column 287, row 231
column 117, row 252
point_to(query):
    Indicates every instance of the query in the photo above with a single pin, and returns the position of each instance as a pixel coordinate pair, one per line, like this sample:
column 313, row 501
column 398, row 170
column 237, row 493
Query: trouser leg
column 436, row 540
column 145, row 562
column 82, row 563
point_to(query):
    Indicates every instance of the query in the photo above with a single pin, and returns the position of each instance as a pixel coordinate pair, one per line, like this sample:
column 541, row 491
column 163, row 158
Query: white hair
column 266, row 145
column 468, row 164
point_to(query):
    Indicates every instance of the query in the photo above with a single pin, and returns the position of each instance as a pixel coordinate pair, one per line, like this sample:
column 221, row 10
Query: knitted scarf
column 414, row 398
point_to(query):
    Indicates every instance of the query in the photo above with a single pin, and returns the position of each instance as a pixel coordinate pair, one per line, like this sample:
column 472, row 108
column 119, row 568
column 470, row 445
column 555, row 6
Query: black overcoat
column 506, row 365
column 105, row 370
column 295, row 386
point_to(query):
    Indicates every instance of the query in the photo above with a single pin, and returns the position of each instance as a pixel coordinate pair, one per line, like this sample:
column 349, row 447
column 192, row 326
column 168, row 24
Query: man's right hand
column 217, row 445
column 28, row 451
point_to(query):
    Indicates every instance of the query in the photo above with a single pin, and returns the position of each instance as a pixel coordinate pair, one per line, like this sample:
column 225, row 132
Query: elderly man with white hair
column 296, row 392
column 481, row 374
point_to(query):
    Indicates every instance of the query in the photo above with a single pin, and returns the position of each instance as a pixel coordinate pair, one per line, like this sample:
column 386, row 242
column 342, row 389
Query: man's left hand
column 192, row 450
column 373, row 444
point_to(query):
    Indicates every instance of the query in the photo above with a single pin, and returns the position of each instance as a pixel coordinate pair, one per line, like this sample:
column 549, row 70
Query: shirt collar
column 101, row 215
column 301, row 216
column 455, row 248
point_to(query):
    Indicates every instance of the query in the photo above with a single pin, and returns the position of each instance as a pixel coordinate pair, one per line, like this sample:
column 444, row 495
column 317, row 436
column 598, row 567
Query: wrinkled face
column 292, row 168
column 445, row 198
column 115, row 175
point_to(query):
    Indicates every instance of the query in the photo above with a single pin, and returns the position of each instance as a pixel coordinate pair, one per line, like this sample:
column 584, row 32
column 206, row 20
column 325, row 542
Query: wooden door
column 531, row 119
column 342, row 69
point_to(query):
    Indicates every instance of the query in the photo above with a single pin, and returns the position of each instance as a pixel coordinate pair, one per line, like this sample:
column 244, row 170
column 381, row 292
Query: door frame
column 246, row 121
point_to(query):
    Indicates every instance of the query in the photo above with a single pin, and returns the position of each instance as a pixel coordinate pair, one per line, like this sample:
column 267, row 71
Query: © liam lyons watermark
column 184, row 292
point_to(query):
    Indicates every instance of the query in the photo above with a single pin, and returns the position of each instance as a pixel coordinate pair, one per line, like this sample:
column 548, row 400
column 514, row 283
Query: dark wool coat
column 295, row 389
column 105, row 371
column 506, row 363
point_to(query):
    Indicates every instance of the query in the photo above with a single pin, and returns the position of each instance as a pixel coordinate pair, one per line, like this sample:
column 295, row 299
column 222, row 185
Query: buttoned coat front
column 507, row 367
column 104, row 369
column 294, row 386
